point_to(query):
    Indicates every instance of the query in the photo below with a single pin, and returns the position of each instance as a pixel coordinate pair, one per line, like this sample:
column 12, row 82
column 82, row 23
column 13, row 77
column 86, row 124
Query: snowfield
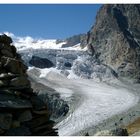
column 27, row 42
column 91, row 103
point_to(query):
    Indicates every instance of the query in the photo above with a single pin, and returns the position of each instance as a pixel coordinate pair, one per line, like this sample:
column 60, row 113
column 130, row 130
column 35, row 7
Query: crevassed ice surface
column 98, row 102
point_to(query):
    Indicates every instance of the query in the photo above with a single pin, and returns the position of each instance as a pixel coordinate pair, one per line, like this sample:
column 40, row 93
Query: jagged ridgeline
column 22, row 113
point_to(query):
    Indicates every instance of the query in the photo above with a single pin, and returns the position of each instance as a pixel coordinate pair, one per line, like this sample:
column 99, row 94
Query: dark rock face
column 21, row 110
column 40, row 62
column 115, row 38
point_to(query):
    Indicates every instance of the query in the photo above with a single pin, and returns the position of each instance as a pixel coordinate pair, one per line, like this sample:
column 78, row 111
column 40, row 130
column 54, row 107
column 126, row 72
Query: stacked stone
column 22, row 113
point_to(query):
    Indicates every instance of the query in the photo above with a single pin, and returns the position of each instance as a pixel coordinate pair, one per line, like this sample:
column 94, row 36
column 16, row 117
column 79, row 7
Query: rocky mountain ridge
column 115, row 38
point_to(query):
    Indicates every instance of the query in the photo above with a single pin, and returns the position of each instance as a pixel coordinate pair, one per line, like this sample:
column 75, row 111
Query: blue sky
column 55, row 21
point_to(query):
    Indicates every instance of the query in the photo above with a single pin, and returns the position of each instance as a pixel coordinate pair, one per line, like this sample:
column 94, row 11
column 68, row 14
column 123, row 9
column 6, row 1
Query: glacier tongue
column 90, row 103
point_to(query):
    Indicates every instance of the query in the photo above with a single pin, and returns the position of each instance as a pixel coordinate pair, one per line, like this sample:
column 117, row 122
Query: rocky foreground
column 22, row 113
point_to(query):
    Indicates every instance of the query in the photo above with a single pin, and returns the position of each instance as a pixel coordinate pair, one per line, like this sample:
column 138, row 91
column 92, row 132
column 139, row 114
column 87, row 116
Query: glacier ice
column 91, row 89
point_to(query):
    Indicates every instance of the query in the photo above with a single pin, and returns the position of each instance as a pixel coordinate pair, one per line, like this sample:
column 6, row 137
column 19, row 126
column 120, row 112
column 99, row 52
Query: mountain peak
column 115, row 37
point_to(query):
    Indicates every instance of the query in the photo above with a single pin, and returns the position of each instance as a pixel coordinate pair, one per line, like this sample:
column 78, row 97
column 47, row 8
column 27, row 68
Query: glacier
column 91, row 103
column 97, row 99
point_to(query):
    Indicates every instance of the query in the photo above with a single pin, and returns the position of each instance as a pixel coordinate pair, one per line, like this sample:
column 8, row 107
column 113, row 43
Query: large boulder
column 40, row 62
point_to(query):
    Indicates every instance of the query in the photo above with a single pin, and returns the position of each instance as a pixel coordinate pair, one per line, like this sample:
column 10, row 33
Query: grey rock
column 7, row 76
column 1, row 46
column 4, row 83
column 7, row 53
column 3, row 76
column 6, row 91
column 21, row 82
column 51, row 132
column 15, row 123
column 41, row 112
column 5, row 120
column 25, row 116
column 38, row 103
column 41, row 130
column 10, row 48
column 12, row 102
column 46, row 126
column 19, row 131
column 38, row 121
column 2, row 132
column 13, row 65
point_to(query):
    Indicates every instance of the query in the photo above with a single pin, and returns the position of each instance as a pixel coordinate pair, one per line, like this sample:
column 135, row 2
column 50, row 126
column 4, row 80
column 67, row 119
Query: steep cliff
column 115, row 38
column 22, row 112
